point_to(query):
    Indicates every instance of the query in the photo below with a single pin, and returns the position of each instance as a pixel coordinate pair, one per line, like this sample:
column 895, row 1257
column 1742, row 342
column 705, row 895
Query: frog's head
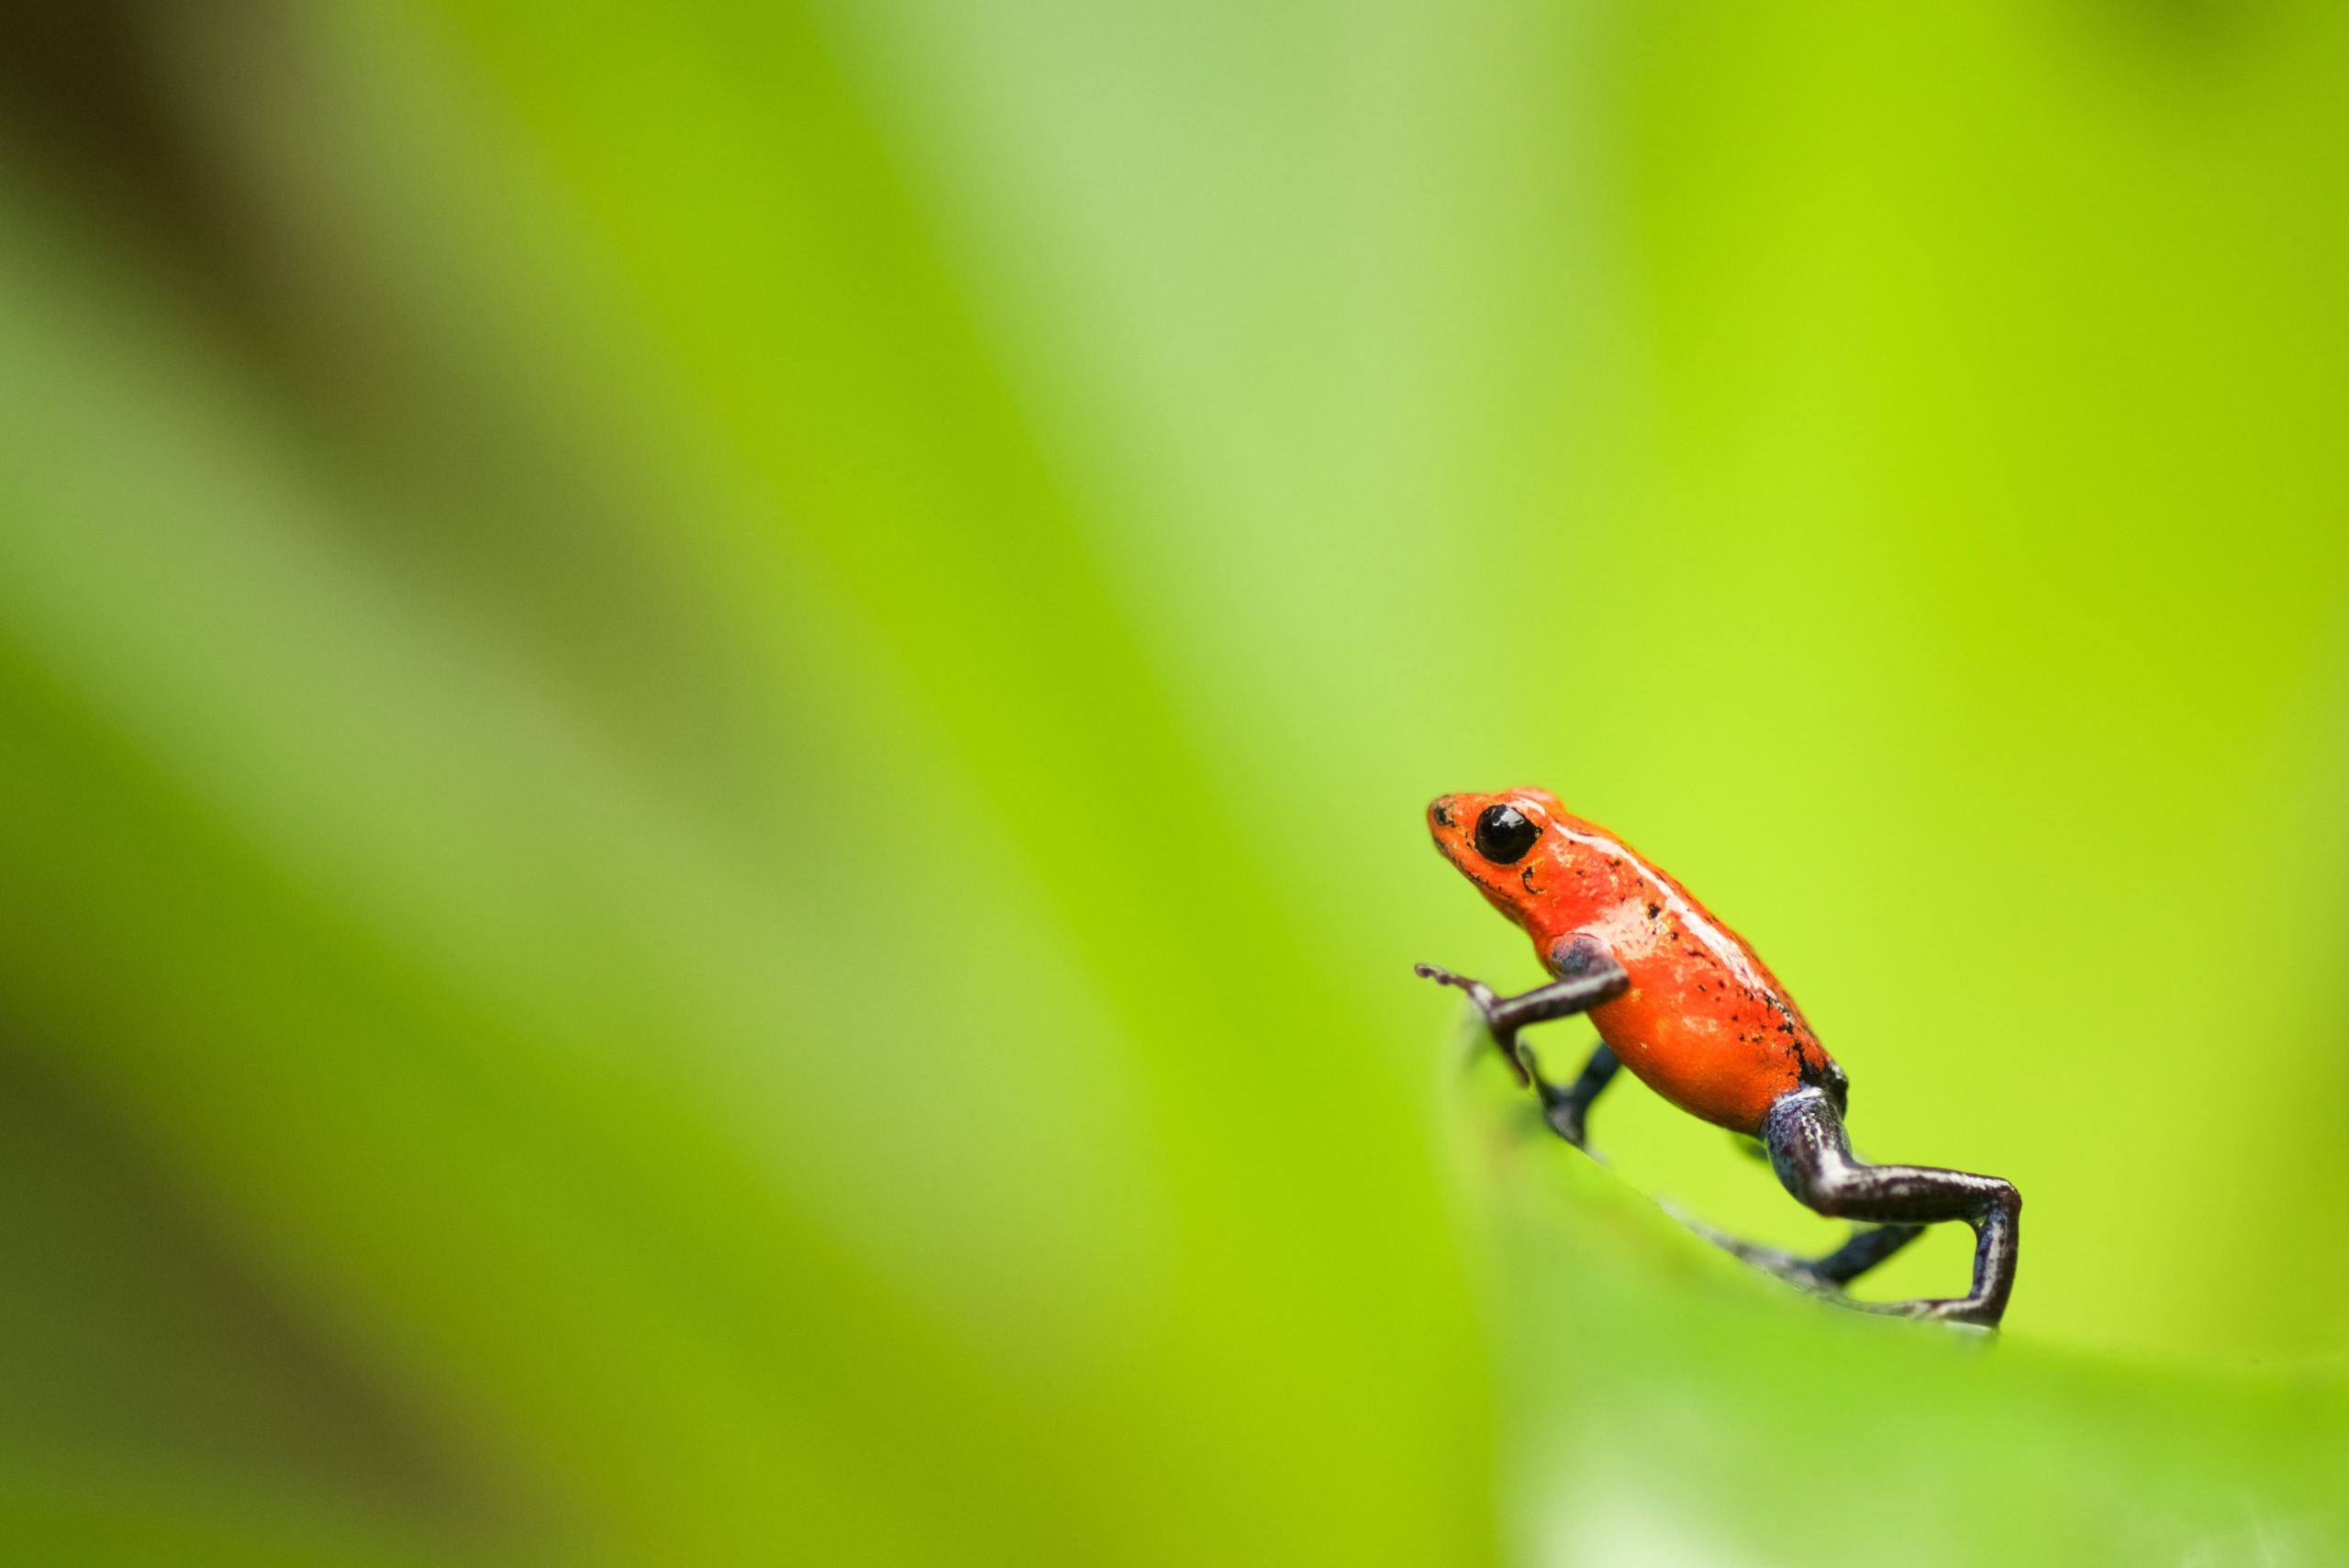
column 1503, row 843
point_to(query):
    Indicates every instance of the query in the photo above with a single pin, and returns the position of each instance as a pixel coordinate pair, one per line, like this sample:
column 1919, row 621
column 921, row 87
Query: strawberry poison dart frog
column 1682, row 1001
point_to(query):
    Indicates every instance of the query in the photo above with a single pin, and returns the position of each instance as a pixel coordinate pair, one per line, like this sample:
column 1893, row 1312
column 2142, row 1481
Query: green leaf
column 712, row 720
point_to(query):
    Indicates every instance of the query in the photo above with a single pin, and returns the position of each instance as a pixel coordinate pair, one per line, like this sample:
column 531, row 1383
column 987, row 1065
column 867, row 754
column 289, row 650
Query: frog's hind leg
column 1812, row 1155
column 1869, row 1245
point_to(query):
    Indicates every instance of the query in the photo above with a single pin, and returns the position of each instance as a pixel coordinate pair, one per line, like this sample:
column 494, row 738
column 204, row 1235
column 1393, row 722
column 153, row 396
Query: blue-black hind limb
column 1813, row 1156
column 1869, row 1246
column 1808, row 1148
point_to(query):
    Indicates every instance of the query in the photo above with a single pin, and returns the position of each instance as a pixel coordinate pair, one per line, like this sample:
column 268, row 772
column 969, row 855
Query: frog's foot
column 1597, row 978
column 1484, row 995
column 1962, row 1312
column 1567, row 1108
column 1567, row 1117
column 1498, row 1027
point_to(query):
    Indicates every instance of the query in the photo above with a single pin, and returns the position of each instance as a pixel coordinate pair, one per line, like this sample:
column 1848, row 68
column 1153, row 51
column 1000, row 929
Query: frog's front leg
column 1589, row 976
column 1567, row 1110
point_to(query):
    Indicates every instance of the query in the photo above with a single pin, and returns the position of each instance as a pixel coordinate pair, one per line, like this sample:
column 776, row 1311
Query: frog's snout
column 1440, row 813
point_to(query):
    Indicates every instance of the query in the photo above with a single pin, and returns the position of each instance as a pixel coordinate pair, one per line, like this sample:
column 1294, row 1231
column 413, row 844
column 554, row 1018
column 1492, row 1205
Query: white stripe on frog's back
column 1720, row 943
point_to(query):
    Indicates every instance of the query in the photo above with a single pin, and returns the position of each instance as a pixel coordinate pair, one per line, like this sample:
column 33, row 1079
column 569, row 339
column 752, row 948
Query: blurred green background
column 712, row 720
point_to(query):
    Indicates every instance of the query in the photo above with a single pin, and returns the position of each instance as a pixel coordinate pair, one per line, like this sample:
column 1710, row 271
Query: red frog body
column 1704, row 1024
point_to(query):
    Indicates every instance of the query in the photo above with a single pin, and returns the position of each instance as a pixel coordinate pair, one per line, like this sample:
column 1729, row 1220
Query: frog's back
column 1704, row 1023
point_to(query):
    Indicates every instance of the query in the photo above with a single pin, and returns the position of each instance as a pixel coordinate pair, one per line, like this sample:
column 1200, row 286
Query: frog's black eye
column 1504, row 834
